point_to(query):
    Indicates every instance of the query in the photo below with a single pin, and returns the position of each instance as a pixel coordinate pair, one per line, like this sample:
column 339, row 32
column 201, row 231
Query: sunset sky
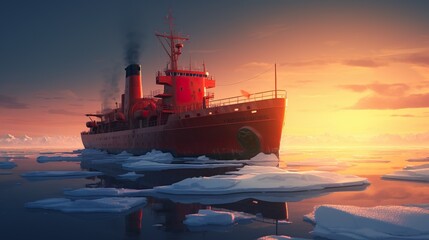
column 355, row 69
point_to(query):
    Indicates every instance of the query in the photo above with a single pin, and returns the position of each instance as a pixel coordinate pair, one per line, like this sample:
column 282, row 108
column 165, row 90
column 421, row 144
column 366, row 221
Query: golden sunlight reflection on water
column 356, row 161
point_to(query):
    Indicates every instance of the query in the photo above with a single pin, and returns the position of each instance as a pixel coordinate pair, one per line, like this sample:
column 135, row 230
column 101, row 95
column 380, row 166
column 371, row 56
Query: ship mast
column 172, row 43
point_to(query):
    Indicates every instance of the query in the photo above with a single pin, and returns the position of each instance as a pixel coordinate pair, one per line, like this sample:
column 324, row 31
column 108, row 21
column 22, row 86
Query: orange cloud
column 421, row 58
column 382, row 102
column 363, row 62
column 396, row 89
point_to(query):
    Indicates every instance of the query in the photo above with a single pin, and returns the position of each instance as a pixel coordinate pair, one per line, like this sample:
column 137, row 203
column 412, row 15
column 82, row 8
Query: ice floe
column 101, row 205
column 381, row 222
column 154, row 156
column 426, row 159
column 43, row 175
column 130, row 176
column 211, row 217
column 155, row 166
column 280, row 237
column 411, row 167
column 107, row 192
column 7, row 165
column 410, row 173
column 44, row 159
column 261, row 196
column 263, row 180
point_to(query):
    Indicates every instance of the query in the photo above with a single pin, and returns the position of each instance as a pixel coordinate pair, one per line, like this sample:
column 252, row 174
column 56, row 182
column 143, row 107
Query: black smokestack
column 132, row 48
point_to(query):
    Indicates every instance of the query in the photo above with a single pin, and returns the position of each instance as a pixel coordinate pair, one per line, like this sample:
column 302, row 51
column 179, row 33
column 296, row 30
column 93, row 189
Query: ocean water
column 162, row 218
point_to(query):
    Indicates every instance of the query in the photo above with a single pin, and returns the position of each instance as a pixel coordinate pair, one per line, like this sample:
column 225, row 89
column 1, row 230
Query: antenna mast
column 172, row 43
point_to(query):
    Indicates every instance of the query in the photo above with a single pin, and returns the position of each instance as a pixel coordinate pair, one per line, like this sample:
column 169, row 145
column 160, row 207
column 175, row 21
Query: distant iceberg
column 44, row 141
column 102, row 205
column 381, row 222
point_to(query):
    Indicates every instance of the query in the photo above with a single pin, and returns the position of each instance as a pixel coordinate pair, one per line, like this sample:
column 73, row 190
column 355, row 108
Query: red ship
column 184, row 119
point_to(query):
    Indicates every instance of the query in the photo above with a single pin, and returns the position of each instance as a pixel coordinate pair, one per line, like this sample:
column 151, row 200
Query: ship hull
column 237, row 131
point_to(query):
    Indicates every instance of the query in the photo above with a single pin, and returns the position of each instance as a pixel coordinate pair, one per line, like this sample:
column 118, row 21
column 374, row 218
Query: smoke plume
column 110, row 90
column 132, row 48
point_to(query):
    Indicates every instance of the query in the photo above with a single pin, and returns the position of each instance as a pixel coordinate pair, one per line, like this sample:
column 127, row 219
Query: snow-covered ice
column 44, row 159
column 107, row 192
column 7, row 165
column 211, row 217
column 381, row 222
column 410, row 173
column 280, row 237
column 36, row 175
column 101, row 205
column 155, row 166
column 265, row 179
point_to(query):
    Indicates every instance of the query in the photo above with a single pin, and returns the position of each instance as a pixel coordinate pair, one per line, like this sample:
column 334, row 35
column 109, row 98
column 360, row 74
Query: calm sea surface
column 162, row 218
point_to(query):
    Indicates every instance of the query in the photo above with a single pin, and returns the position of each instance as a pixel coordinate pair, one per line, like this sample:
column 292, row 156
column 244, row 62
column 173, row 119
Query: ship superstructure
column 184, row 118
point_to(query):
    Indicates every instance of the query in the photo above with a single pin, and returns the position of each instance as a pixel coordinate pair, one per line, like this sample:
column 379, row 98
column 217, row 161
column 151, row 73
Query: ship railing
column 252, row 97
column 160, row 73
column 273, row 94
